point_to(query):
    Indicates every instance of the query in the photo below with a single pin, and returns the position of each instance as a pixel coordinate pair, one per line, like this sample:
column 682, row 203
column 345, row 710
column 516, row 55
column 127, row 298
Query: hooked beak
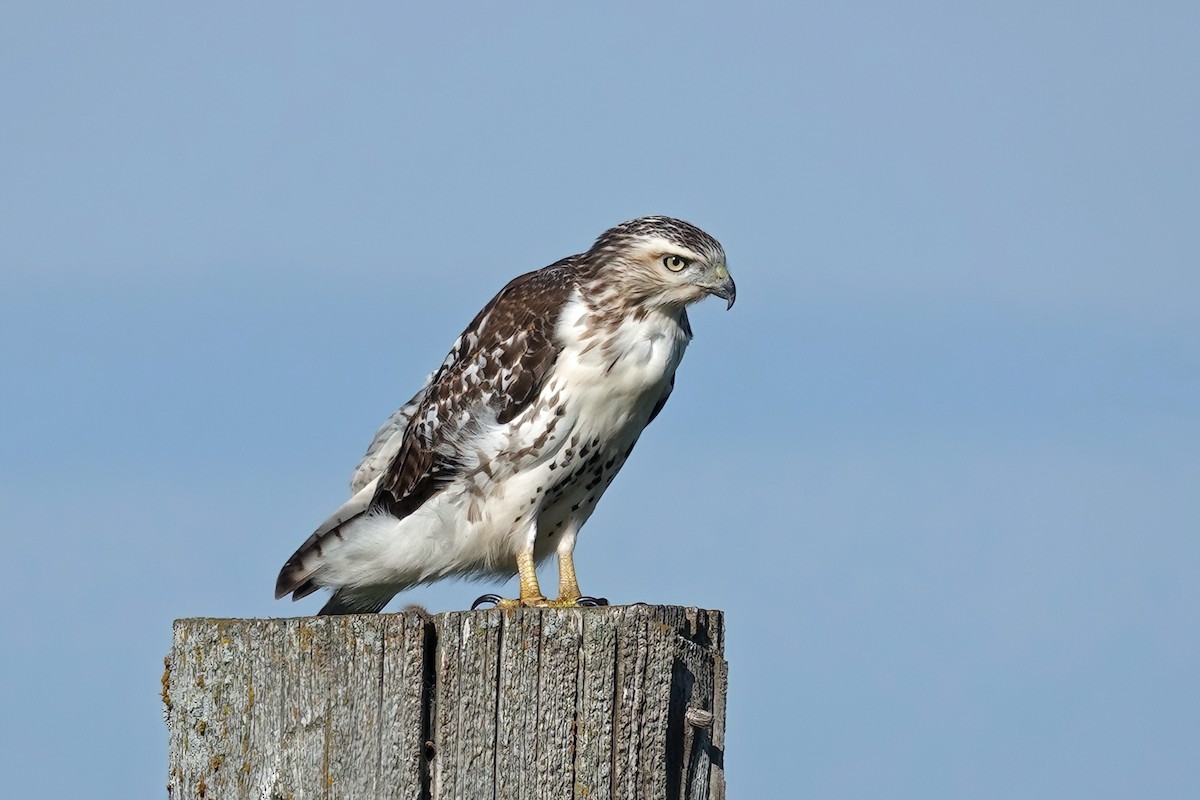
column 724, row 287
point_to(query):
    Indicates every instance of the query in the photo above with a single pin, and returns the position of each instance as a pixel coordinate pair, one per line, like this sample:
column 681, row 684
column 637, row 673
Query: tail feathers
column 303, row 590
column 366, row 600
column 298, row 576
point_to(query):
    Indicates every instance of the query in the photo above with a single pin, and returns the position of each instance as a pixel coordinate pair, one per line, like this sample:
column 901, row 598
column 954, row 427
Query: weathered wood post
column 614, row 702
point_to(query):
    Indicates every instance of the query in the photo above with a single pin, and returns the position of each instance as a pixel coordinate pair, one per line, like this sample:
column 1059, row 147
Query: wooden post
column 614, row 702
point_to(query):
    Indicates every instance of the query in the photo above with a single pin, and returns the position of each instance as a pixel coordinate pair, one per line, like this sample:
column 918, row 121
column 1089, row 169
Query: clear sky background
column 940, row 465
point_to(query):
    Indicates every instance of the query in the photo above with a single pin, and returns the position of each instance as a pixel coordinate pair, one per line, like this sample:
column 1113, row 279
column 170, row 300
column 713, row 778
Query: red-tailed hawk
column 501, row 457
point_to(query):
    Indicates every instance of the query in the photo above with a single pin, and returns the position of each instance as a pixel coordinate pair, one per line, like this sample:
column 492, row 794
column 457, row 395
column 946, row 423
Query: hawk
column 501, row 457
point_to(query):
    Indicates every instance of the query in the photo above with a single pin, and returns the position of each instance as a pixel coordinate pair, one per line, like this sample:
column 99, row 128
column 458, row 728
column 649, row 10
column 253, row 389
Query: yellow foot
column 539, row 602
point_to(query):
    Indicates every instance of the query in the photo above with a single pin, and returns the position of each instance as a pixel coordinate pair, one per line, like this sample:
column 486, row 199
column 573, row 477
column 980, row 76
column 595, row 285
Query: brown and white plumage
column 501, row 457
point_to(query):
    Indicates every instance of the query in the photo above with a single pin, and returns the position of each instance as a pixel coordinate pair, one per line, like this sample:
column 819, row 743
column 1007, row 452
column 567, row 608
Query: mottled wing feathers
column 493, row 372
column 387, row 442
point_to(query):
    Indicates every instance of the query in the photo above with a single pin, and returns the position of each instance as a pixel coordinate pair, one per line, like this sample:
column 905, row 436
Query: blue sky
column 939, row 465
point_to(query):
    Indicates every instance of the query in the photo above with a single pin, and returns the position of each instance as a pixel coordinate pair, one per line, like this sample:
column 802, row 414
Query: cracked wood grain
column 616, row 702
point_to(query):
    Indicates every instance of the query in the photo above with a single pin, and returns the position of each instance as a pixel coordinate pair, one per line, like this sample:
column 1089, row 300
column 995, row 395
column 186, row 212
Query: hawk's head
column 661, row 261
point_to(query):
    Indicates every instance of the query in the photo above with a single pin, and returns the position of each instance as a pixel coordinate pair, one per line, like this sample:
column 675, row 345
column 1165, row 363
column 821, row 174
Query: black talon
column 494, row 599
column 591, row 602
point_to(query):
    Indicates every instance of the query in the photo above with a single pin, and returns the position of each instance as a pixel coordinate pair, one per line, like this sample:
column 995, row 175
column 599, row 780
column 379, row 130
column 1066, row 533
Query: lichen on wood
column 611, row 702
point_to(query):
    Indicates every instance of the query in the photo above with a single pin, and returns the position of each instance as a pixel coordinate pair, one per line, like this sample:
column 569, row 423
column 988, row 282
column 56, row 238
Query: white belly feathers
column 539, row 476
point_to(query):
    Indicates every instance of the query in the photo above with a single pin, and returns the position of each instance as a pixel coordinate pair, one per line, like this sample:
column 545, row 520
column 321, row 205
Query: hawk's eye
column 675, row 263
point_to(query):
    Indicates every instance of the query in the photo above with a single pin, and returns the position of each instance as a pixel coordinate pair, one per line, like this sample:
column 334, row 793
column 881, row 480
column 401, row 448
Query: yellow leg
column 568, row 583
column 531, row 593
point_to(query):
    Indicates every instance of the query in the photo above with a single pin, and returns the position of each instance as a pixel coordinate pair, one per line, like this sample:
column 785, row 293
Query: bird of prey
column 500, row 458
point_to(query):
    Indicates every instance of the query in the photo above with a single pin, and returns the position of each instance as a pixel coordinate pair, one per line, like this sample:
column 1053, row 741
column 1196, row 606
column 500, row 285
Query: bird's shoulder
column 507, row 348
column 491, row 374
